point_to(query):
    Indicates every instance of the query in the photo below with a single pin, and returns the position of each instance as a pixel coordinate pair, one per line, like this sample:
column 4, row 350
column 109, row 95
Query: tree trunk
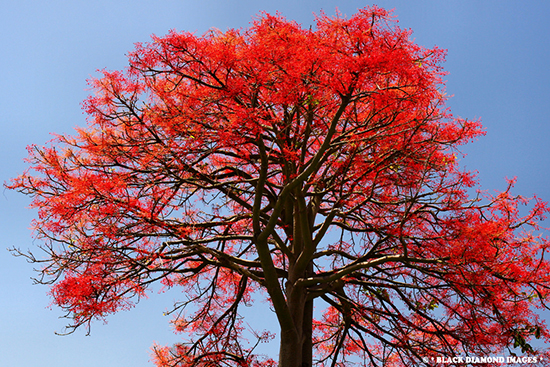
column 290, row 350
column 307, row 335
column 296, row 349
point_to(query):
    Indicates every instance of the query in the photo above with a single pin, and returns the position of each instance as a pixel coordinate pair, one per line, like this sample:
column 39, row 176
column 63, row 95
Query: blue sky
column 498, row 58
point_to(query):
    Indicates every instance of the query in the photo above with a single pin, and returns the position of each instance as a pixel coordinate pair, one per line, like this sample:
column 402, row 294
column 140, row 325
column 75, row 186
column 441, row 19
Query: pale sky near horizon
column 498, row 60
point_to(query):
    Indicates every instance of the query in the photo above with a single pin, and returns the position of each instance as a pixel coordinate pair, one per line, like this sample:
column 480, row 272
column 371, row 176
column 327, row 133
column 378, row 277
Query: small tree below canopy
column 307, row 166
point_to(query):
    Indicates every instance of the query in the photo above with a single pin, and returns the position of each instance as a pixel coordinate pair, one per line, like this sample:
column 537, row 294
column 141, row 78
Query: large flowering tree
column 308, row 166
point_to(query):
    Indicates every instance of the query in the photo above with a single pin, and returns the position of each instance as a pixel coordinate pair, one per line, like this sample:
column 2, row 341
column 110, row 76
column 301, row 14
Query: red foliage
column 312, row 164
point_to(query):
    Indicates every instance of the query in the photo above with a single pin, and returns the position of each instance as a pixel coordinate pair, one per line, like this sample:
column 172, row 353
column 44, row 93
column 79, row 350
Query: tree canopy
column 310, row 167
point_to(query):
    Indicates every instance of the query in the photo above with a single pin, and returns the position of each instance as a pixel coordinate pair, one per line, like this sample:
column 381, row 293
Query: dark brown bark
column 296, row 349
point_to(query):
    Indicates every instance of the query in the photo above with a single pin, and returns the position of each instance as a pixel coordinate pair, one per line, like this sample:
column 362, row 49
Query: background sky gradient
column 498, row 60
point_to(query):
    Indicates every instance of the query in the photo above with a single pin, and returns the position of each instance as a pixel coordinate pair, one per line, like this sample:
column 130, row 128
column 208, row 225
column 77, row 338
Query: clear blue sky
column 498, row 59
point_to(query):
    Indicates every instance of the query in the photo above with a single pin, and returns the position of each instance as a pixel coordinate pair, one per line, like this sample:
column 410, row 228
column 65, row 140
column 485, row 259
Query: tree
column 303, row 166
